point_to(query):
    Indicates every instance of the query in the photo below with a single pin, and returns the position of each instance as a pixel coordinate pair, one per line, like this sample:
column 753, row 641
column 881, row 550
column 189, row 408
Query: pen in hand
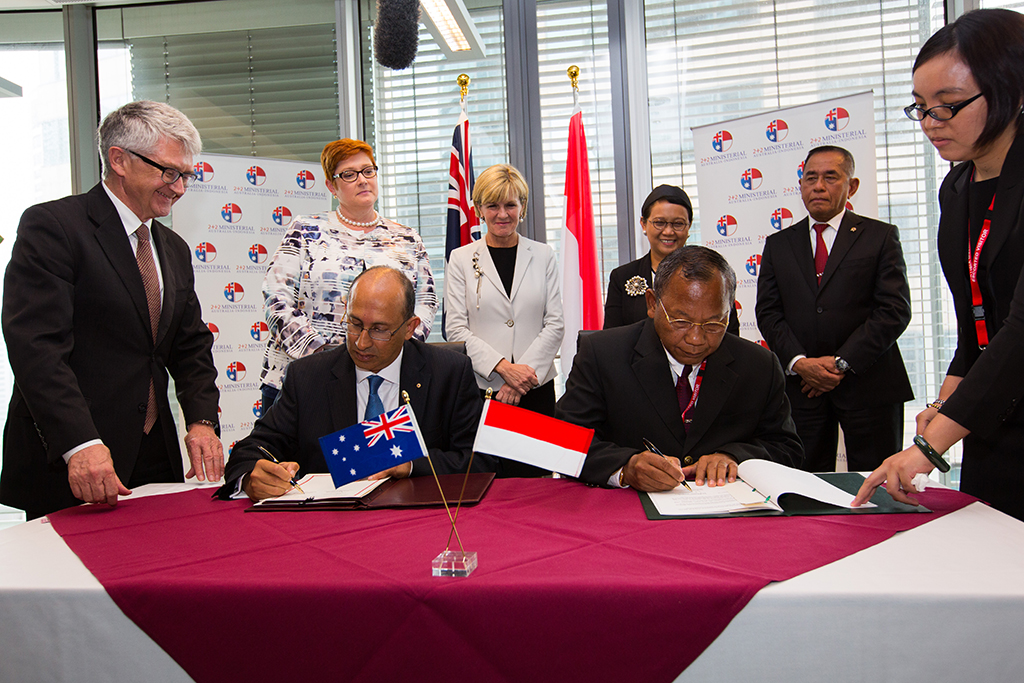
column 292, row 479
column 654, row 449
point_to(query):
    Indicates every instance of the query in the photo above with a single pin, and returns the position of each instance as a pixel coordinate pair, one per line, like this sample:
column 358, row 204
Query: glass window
column 39, row 157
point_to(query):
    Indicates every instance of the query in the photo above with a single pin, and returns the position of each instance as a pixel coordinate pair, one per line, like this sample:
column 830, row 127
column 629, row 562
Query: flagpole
column 574, row 78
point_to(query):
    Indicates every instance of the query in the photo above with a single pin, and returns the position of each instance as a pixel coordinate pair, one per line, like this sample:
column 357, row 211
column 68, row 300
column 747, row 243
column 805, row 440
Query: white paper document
column 321, row 487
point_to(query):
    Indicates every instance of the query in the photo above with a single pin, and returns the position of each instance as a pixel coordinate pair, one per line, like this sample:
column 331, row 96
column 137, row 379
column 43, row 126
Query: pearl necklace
column 343, row 219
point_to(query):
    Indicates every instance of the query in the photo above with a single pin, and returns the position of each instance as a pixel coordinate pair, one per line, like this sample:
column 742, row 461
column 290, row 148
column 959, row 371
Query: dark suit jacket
column 319, row 398
column 988, row 400
column 621, row 386
column 621, row 308
column 79, row 340
column 858, row 312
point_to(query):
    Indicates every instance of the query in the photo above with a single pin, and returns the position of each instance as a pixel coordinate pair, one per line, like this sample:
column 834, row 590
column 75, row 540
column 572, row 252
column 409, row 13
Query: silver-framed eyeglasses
column 940, row 112
column 660, row 224
column 349, row 175
column 376, row 333
column 712, row 328
column 169, row 175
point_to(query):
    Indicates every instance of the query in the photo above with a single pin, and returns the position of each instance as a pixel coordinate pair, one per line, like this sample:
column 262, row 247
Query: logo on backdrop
column 722, row 141
column 215, row 330
column 837, row 119
column 739, row 309
column 800, row 171
column 727, row 226
column 231, row 212
column 257, row 253
column 203, row 171
column 259, row 331
column 751, row 179
column 754, row 264
column 777, row 130
column 235, row 371
column 782, row 218
column 257, row 408
column 206, row 252
column 282, row 215
column 256, row 176
column 305, row 180
column 233, row 292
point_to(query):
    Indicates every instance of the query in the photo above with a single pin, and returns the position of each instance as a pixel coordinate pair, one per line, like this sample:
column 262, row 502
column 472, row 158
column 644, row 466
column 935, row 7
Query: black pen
column 654, row 449
column 290, row 481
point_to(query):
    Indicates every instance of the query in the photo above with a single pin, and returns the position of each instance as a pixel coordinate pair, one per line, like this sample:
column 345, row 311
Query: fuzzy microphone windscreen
column 396, row 35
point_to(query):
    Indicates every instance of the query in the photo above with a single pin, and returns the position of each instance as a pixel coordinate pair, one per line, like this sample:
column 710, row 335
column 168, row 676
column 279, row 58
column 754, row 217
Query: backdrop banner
column 234, row 217
column 748, row 180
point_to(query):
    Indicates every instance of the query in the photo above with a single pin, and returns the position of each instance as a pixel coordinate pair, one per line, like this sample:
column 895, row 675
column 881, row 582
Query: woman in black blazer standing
column 968, row 96
column 665, row 218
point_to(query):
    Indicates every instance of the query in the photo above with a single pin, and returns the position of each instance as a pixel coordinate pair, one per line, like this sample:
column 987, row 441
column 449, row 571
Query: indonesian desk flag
column 463, row 225
column 373, row 446
column 581, row 282
column 525, row 436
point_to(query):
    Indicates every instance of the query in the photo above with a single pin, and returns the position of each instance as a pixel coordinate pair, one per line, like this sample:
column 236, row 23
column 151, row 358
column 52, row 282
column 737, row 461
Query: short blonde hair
column 336, row 152
column 498, row 183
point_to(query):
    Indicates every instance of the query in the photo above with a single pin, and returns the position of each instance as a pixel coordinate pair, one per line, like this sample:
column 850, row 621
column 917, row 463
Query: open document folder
column 766, row 488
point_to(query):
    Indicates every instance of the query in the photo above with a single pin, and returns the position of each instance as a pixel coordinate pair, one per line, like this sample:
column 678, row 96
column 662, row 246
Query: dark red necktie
column 150, row 280
column 820, row 251
column 684, row 392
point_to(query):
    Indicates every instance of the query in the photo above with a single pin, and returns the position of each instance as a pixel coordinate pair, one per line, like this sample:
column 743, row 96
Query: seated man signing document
column 335, row 389
column 705, row 399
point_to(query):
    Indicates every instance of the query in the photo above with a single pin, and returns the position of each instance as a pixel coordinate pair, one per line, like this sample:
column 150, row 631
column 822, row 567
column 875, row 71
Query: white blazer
column 524, row 328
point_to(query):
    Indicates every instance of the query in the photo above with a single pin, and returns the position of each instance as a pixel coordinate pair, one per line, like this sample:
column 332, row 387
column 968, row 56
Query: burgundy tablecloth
column 574, row 583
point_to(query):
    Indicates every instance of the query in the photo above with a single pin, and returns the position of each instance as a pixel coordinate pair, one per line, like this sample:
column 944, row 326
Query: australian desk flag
column 373, row 446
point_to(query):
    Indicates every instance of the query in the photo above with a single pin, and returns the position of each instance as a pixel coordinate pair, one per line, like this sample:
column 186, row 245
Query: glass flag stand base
column 453, row 563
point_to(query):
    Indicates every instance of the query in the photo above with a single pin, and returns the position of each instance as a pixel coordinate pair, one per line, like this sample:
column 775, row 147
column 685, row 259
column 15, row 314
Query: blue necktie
column 374, row 406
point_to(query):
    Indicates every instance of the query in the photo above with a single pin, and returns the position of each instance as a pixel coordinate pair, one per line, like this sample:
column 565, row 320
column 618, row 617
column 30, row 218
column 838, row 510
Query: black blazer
column 992, row 389
column 79, row 340
column 621, row 308
column 858, row 312
column 319, row 398
column 621, row 386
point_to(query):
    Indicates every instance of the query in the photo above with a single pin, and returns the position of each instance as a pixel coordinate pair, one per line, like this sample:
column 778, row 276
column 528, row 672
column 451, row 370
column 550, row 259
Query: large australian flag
column 373, row 446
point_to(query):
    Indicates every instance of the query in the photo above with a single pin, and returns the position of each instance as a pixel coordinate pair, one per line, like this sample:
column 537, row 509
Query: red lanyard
column 696, row 392
column 972, row 266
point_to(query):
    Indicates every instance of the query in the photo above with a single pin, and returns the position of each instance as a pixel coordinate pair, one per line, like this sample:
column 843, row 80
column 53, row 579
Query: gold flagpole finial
column 463, row 81
column 488, row 393
column 574, row 76
column 405, row 396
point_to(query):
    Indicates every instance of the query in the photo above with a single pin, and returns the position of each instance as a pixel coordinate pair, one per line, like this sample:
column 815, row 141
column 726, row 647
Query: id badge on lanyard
column 977, row 304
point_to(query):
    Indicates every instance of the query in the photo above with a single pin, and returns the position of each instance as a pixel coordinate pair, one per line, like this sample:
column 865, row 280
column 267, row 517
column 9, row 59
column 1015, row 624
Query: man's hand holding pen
column 269, row 479
column 647, row 471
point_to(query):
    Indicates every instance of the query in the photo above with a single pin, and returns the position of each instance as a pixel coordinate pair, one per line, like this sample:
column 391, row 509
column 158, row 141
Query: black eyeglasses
column 940, row 112
column 348, row 175
column 376, row 333
column 170, row 175
column 660, row 224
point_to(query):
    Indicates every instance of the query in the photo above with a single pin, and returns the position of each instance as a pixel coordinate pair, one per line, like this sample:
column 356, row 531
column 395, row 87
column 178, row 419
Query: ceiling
column 57, row 4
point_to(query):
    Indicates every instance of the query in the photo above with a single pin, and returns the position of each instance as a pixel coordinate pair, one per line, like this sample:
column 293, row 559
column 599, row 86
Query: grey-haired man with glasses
column 99, row 308
column 677, row 383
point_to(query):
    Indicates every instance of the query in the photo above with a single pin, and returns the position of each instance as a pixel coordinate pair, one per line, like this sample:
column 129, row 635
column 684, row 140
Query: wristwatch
column 841, row 365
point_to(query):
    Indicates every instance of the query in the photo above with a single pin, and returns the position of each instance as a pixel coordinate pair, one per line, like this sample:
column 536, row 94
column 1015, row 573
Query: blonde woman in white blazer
column 502, row 298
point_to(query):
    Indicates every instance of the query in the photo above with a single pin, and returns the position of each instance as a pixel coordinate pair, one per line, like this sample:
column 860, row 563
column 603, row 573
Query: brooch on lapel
column 479, row 274
column 636, row 286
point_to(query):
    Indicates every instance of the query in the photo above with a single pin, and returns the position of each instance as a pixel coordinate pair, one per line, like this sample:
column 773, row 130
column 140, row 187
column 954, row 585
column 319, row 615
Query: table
column 953, row 584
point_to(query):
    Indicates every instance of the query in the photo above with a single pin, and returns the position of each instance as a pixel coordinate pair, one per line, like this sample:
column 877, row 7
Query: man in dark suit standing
column 706, row 399
column 99, row 306
column 832, row 299
column 335, row 389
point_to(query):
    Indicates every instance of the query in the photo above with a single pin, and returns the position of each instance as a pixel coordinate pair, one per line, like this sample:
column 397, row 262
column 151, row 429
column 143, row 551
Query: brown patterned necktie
column 147, row 268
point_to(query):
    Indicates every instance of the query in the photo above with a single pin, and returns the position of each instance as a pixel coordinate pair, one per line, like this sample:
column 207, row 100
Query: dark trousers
column 540, row 400
column 872, row 434
column 153, row 465
column 269, row 395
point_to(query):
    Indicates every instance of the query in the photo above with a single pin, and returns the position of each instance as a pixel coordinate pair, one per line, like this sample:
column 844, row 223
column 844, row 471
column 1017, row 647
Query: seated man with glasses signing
column 706, row 399
column 329, row 391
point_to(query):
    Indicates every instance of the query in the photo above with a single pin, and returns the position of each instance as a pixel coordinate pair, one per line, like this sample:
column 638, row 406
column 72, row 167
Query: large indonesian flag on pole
column 581, row 282
column 525, row 436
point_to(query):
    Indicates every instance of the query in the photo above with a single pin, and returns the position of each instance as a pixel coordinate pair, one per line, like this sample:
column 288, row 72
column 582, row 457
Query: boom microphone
column 396, row 35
